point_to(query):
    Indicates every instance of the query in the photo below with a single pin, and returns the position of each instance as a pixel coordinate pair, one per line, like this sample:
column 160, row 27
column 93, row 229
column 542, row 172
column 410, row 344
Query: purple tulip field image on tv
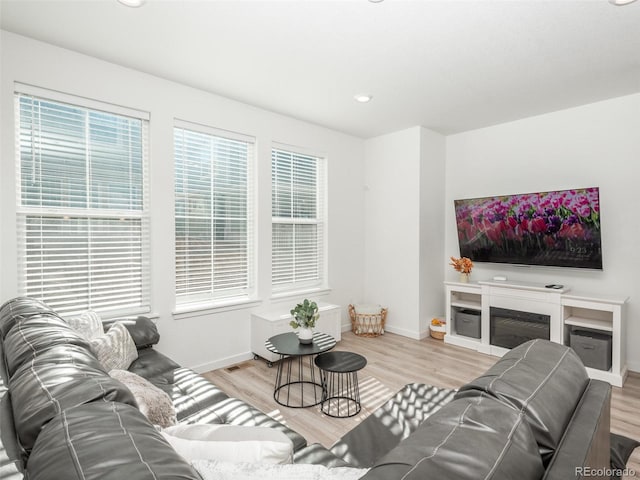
column 550, row 228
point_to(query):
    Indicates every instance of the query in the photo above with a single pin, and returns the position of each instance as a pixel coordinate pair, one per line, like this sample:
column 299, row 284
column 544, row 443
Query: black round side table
column 293, row 375
column 340, row 393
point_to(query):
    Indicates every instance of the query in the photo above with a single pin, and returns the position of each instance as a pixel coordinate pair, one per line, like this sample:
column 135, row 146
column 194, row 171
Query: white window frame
column 91, row 215
column 320, row 283
column 235, row 297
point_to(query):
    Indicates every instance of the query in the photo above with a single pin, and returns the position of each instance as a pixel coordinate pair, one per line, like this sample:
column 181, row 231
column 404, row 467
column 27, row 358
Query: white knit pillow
column 115, row 349
column 89, row 324
column 230, row 443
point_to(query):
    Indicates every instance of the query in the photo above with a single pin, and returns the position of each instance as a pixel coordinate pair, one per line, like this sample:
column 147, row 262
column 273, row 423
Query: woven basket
column 367, row 324
column 437, row 332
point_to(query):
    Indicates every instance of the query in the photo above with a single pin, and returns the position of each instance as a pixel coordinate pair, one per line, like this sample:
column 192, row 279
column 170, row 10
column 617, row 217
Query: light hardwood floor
column 392, row 362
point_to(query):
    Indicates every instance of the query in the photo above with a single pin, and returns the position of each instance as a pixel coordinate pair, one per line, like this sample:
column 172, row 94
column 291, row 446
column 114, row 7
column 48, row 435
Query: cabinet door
column 262, row 329
column 330, row 322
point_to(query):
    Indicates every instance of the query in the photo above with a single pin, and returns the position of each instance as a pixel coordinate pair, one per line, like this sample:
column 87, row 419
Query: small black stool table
column 341, row 393
column 293, row 375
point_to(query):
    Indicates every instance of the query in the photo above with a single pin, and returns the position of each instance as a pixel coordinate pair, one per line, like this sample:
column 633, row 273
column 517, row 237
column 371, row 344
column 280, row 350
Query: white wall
column 392, row 234
column 404, row 178
column 211, row 340
column 432, row 171
column 592, row 145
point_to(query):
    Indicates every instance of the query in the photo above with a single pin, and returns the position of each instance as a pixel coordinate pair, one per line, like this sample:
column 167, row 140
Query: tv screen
column 548, row 228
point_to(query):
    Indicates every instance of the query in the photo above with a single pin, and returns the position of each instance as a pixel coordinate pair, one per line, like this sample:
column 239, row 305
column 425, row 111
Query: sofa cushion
column 317, row 454
column 115, row 349
column 154, row 366
column 105, row 441
column 190, row 392
column 230, row 443
column 545, row 380
column 197, row 400
column 43, row 388
column 154, row 403
column 234, row 411
column 467, row 439
column 392, row 422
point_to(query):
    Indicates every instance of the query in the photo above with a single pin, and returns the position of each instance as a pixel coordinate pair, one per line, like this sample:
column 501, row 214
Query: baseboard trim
column 222, row 363
column 404, row 332
column 633, row 367
column 424, row 334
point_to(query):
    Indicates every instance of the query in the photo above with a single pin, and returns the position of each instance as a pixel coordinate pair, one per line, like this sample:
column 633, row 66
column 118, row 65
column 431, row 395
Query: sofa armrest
column 142, row 329
column 585, row 446
column 545, row 380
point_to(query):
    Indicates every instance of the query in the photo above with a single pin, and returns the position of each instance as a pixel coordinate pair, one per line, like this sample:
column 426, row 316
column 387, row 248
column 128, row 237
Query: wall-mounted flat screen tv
column 559, row 228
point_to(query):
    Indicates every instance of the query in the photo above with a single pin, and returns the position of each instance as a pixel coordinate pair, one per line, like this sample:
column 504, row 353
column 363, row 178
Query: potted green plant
column 305, row 316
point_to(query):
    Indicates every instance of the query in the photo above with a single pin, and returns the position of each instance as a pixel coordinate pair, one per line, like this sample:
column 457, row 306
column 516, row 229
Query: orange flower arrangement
column 462, row 265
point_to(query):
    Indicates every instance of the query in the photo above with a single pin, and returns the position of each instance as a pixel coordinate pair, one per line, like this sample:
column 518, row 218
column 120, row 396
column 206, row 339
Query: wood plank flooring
column 392, row 362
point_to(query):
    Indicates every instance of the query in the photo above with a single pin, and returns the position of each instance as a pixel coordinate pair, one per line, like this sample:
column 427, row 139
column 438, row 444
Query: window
column 297, row 202
column 83, row 225
column 213, row 215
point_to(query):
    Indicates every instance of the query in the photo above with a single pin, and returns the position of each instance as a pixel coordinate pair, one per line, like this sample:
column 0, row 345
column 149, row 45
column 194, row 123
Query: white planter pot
column 305, row 335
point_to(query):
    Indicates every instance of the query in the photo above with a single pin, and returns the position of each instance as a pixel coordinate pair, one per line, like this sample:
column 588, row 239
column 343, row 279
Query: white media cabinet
column 273, row 322
column 565, row 308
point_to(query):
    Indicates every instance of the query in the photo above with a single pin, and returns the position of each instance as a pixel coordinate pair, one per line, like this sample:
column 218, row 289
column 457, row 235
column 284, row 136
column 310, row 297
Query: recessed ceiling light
column 363, row 97
column 619, row 3
column 132, row 3
column 376, row 1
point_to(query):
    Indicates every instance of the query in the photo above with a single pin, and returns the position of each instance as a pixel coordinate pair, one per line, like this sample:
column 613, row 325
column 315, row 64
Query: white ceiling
column 446, row 65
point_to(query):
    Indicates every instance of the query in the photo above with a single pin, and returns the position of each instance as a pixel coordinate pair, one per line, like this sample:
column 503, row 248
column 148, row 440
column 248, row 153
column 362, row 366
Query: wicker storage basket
column 437, row 332
column 367, row 324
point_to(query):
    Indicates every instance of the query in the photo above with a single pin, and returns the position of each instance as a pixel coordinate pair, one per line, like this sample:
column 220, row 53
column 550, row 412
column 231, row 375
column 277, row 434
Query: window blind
column 213, row 215
column 298, row 244
column 83, row 224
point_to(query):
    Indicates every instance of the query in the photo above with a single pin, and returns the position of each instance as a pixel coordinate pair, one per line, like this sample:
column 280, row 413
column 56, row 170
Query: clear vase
column 464, row 277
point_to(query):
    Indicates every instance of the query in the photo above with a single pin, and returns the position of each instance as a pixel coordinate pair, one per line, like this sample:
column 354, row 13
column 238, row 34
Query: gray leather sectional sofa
column 534, row 415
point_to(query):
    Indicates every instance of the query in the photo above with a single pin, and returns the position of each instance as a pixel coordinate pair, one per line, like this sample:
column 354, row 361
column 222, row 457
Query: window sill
column 318, row 291
column 203, row 309
column 128, row 315
column 151, row 316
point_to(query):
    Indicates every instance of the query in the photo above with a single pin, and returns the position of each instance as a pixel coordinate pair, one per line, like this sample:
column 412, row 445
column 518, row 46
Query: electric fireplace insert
column 510, row 328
